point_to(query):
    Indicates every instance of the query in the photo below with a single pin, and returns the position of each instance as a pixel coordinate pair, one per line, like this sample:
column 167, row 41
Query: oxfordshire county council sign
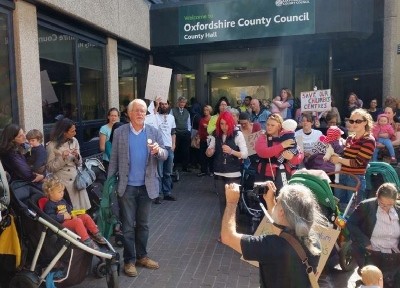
column 234, row 20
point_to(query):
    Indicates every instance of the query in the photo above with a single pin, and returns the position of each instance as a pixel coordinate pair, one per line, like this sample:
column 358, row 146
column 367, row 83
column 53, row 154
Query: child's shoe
column 393, row 160
column 91, row 244
column 99, row 238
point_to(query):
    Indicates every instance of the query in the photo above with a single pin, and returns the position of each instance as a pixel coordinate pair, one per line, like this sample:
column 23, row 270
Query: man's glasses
column 358, row 121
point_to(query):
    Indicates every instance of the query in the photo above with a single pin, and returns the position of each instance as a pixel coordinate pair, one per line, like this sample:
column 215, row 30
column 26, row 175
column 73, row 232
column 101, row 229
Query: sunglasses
column 358, row 121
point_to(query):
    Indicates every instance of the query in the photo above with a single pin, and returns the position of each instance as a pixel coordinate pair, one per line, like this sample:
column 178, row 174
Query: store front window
column 73, row 83
column 131, row 78
column 6, row 115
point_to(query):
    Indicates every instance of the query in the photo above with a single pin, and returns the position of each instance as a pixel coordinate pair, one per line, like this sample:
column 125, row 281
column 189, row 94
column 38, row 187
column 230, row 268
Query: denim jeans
column 389, row 146
column 345, row 195
column 135, row 208
column 165, row 171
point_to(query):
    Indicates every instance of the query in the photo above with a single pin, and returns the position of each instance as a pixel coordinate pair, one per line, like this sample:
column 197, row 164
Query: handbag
column 84, row 178
column 302, row 254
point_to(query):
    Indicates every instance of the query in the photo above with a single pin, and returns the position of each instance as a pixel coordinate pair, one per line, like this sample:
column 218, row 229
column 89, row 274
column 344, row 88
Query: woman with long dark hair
column 105, row 132
column 12, row 148
column 64, row 159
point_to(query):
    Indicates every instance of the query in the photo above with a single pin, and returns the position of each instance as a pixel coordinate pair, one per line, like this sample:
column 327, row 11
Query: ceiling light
column 356, row 78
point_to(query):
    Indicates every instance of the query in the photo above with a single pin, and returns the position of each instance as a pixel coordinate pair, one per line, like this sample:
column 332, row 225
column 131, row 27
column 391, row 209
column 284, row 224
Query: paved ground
column 183, row 238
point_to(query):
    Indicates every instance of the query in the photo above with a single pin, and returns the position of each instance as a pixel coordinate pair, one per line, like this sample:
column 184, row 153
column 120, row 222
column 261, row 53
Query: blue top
column 138, row 156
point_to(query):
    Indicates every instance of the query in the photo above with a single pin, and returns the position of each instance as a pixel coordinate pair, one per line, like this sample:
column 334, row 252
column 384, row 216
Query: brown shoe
column 147, row 263
column 99, row 238
column 130, row 269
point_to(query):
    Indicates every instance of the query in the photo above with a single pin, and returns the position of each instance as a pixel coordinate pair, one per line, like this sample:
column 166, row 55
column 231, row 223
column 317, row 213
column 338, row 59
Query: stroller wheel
column 112, row 276
column 346, row 259
column 100, row 270
column 25, row 279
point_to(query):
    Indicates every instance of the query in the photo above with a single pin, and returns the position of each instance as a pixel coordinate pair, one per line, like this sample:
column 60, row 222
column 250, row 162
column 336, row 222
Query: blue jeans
column 165, row 171
column 135, row 208
column 345, row 195
column 389, row 146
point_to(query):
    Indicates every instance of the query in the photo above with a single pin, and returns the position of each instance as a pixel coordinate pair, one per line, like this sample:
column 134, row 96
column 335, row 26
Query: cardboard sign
column 251, row 141
column 158, row 81
column 327, row 237
column 316, row 101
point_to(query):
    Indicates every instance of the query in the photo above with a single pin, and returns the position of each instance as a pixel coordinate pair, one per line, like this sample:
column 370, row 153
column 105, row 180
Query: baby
column 273, row 107
column 382, row 126
column 288, row 128
column 58, row 209
column 333, row 137
column 372, row 277
column 36, row 155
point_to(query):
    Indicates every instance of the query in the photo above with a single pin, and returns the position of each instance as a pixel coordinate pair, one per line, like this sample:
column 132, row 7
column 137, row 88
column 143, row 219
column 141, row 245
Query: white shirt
column 307, row 142
column 163, row 122
column 386, row 233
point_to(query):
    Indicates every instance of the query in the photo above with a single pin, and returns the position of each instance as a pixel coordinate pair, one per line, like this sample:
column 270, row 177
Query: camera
column 260, row 188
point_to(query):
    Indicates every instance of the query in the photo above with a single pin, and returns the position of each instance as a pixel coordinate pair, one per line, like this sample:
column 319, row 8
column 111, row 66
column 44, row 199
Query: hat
column 332, row 134
column 289, row 125
column 382, row 115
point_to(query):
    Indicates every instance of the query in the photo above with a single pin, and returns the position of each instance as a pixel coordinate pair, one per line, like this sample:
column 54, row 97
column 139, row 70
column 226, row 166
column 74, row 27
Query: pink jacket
column 378, row 129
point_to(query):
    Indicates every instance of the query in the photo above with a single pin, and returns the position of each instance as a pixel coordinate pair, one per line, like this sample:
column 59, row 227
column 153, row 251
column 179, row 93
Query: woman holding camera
column 228, row 147
column 270, row 150
column 63, row 158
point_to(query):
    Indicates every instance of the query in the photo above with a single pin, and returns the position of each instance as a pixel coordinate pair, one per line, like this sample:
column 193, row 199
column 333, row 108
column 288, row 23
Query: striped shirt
column 386, row 233
column 359, row 151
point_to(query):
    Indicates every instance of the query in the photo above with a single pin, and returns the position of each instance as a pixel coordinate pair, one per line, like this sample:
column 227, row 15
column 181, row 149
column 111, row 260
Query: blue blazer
column 120, row 162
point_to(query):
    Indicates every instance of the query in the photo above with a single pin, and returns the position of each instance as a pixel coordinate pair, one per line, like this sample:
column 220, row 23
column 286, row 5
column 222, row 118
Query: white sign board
column 158, row 81
column 251, row 141
column 316, row 101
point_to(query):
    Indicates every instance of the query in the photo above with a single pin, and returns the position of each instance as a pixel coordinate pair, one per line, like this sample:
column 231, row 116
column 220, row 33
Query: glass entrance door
column 236, row 85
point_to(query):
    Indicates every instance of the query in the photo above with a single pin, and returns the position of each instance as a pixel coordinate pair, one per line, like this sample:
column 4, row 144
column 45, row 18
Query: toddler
column 288, row 128
column 382, row 126
column 273, row 107
column 36, row 155
column 333, row 140
column 372, row 277
column 58, row 209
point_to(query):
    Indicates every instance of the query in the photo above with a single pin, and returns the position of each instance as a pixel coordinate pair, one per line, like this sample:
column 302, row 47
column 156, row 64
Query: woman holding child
column 271, row 150
column 12, row 155
column 64, row 159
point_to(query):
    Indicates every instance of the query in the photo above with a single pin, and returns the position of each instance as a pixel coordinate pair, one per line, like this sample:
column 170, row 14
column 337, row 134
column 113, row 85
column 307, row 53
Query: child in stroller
column 58, row 209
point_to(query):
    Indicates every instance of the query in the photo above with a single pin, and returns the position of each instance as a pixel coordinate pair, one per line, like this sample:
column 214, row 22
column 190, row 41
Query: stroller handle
column 340, row 186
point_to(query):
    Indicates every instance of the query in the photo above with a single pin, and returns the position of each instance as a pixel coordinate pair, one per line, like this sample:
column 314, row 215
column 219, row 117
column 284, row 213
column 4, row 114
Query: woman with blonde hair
column 284, row 102
column 359, row 147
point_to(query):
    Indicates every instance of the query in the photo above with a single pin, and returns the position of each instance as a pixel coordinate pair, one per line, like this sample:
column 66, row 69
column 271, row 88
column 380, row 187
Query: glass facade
column 6, row 101
column 73, row 83
column 132, row 73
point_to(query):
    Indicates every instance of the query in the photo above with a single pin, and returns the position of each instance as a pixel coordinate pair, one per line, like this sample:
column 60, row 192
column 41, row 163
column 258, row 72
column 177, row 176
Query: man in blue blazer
column 135, row 152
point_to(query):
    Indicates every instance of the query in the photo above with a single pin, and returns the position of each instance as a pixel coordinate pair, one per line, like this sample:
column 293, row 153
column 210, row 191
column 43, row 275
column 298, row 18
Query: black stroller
column 51, row 252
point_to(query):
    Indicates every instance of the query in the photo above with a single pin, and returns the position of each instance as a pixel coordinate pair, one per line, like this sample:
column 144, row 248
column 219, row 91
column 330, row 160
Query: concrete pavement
column 183, row 239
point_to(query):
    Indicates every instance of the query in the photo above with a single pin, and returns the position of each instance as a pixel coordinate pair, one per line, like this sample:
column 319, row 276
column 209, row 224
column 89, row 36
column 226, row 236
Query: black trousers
column 182, row 149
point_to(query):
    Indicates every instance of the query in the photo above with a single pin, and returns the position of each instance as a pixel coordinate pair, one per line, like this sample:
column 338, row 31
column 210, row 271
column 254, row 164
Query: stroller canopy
column 386, row 170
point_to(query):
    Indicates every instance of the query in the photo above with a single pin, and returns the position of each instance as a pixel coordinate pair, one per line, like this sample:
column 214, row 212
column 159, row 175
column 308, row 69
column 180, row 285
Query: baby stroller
column 322, row 190
column 50, row 252
column 95, row 190
column 378, row 173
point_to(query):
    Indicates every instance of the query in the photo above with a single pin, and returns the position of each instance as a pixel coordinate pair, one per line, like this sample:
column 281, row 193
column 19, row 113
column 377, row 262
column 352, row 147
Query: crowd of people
column 146, row 151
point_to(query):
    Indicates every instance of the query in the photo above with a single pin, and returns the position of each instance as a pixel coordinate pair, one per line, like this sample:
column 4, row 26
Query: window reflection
column 5, row 86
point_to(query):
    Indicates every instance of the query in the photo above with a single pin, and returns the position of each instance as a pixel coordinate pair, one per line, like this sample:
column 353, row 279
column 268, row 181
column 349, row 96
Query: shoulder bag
column 302, row 254
column 84, row 178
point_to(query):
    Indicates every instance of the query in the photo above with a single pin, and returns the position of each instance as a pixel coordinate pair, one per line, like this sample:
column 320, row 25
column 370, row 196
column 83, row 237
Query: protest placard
column 251, row 140
column 158, row 82
column 316, row 101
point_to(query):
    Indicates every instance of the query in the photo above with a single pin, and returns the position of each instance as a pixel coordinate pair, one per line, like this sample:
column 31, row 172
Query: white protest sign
column 251, row 141
column 158, row 81
column 316, row 101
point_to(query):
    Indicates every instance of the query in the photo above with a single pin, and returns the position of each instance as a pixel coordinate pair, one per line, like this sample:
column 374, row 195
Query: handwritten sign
column 251, row 141
column 327, row 237
column 316, row 101
column 158, row 81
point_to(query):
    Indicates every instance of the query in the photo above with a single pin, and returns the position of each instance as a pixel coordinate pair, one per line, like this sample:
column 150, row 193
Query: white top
column 163, row 122
column 307, row 142
column 386, row 233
